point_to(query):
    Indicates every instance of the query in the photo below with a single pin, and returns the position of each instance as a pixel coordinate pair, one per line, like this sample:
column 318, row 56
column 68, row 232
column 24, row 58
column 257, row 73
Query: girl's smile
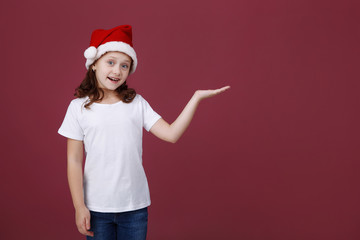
column 115, row 80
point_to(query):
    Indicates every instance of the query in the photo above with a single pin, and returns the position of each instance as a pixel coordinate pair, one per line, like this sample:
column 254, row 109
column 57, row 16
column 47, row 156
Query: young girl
column 107, row 117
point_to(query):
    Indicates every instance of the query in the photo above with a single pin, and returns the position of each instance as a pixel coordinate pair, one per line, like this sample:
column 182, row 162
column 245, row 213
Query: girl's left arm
column 172, row 132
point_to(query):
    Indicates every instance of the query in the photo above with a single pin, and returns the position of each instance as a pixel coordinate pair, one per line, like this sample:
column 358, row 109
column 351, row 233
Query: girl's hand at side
column 202, row 94
column 82, row 218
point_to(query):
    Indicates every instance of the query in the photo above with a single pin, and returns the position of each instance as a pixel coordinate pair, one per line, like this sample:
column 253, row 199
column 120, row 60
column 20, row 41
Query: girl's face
column 111, row 70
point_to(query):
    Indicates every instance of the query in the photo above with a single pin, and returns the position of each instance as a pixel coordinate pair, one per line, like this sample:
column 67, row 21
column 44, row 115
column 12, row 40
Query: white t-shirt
column 114, row 177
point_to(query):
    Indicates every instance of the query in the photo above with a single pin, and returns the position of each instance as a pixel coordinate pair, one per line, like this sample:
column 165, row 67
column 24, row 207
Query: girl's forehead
column 118, row 55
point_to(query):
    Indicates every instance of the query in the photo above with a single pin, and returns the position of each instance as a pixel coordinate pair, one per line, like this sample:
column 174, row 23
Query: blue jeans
column 131, row 225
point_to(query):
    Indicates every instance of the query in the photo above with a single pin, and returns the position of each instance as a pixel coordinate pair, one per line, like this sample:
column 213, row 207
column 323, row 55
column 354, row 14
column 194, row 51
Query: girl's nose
column 117, row 70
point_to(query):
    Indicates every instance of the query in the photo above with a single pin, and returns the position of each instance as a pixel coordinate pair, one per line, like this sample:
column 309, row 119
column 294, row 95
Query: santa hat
column 115, row 39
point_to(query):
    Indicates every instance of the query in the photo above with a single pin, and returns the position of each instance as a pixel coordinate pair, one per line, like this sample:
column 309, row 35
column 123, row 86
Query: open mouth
column 114, row 80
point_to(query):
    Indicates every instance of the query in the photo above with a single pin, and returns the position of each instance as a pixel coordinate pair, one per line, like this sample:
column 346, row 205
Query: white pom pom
column 90, row 52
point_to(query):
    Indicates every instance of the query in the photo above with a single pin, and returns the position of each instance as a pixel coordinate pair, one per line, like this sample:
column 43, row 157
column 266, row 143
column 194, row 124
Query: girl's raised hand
column 202, row 94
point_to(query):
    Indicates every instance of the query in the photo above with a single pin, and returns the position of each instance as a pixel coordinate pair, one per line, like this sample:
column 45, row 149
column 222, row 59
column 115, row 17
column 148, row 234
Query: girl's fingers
column 87, row 223
column 83, row 227
column 88, row 233
column 220, row 90
column 224, row 89
column 87, row 227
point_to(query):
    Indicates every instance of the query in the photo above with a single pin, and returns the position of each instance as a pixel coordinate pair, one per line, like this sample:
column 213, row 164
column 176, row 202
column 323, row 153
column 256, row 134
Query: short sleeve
column 70, row 126
column 150, row 117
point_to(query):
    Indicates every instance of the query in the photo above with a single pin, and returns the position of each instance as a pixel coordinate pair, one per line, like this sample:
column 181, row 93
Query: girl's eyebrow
column 114, row 58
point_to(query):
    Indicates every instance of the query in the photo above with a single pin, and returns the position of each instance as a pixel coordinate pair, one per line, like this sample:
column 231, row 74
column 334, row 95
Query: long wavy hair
column 89, row 87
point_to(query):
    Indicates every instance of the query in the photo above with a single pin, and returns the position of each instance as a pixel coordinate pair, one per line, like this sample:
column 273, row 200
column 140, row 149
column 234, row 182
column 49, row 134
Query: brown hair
column 89, row 87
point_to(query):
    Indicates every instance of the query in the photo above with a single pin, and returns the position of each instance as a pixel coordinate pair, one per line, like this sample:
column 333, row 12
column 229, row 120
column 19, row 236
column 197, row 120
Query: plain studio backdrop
column 275, row 157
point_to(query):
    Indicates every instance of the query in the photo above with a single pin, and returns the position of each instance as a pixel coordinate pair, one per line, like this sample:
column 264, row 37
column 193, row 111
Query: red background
column 275, row 157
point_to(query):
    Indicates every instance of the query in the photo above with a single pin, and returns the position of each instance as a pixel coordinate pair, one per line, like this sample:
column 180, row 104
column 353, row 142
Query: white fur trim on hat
column 90, row 52
column 108, row 47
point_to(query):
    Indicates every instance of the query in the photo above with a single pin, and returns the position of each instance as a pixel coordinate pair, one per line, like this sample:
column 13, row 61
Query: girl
column 107, row 117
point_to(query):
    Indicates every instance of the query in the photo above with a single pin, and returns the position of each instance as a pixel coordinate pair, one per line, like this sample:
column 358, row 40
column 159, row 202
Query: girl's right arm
column 172, row 132
column 75, row 179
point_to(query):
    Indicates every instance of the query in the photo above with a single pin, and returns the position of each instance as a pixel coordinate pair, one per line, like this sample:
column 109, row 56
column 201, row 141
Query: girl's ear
column 93, row 68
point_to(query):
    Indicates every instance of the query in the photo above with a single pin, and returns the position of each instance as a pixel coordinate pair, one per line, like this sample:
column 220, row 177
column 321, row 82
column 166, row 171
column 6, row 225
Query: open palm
column 202, row 94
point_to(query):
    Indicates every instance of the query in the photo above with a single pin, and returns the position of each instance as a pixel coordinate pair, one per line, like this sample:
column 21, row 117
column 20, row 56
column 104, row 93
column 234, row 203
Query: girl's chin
column 110, row 86
column 113, row 88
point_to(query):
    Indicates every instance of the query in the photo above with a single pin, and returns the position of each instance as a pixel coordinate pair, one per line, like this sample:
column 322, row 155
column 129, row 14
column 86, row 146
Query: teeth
column 113, row 79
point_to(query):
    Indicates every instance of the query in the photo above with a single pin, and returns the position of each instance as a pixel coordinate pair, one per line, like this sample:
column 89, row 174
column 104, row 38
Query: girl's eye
column 111, row 62
column 125, row 66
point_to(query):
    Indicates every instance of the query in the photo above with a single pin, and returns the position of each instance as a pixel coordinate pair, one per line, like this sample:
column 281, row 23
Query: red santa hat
column 115, row 39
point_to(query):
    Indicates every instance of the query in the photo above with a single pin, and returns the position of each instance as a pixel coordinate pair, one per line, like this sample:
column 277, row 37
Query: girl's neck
column 110, row 97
